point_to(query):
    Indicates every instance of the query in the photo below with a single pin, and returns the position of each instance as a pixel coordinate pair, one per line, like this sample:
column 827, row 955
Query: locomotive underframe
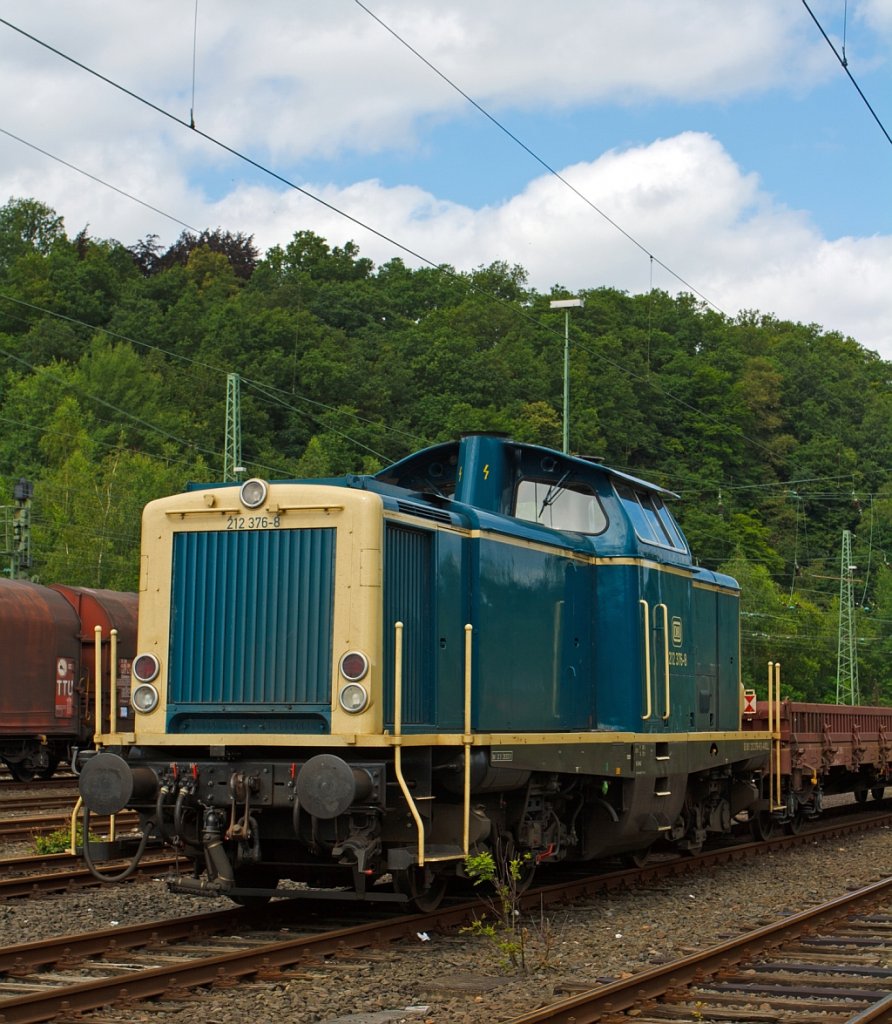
column 343, row 819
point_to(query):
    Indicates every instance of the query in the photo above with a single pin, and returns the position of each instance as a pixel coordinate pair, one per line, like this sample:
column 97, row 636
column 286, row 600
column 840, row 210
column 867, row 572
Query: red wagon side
column 47, row 670
column 825, row 749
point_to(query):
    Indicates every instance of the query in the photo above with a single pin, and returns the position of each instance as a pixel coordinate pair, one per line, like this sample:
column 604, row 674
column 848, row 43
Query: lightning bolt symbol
column 486, row 471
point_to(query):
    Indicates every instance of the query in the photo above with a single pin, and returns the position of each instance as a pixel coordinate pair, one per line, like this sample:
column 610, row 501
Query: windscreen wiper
column 551, row 495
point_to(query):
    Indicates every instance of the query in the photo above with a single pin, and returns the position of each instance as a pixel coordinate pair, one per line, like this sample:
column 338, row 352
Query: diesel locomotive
column 354, row 682
column 48, row 670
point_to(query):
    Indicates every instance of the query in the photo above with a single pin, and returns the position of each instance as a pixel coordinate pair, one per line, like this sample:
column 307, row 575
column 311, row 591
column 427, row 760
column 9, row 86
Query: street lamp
column 566, row 305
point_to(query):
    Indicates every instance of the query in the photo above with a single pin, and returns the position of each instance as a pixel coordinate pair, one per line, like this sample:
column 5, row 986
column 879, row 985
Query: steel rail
column 631, row 993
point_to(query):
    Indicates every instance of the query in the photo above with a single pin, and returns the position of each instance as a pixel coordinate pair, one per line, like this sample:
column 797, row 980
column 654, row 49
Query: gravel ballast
column 464, row 979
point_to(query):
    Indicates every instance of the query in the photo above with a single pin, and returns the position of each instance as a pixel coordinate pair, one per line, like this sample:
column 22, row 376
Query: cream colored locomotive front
column 357, row 518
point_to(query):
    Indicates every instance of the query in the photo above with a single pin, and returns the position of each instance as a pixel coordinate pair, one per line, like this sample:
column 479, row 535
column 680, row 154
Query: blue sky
column 724, row 137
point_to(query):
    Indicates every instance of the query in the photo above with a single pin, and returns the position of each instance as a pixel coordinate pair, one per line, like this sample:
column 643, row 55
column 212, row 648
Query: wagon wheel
column 22, row 771
column 50, row 770
column 861, row 795
column 425, row 890
column 877, row 792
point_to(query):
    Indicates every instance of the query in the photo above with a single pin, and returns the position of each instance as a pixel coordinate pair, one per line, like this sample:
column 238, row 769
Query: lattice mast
column 847, row 689
column 232, row 457
column 15, row 532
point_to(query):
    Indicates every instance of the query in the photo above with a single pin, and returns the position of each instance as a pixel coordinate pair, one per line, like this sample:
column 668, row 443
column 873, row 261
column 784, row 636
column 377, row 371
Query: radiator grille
column 408, row 599
column 251, row 622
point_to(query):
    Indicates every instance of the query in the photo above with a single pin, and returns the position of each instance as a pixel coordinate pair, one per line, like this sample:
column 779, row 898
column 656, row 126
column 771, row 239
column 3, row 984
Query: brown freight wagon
column 47, row 670
column 823, row 749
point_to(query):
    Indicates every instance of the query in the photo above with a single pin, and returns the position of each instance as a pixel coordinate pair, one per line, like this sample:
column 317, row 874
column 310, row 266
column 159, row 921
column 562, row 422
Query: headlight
column 353, row 698
column 144, row 698
column 354, row 666
column 253, row 493
column 145, row 667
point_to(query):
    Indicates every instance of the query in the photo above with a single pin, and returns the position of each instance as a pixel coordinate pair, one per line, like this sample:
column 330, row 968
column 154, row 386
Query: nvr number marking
column 252, row 522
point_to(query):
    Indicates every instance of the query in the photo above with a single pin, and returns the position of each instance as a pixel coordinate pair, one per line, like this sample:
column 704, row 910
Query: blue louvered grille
column 408, row 599
column 251, row 628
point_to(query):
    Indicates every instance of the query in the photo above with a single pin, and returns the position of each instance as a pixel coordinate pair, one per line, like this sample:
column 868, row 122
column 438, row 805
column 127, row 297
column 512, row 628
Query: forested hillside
column 776, row 435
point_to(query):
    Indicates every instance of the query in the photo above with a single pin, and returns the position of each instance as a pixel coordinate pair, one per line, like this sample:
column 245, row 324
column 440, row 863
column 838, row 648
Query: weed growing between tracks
column 502, row 880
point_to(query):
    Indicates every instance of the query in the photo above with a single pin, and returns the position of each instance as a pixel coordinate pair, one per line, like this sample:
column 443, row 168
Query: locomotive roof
column 447, row 452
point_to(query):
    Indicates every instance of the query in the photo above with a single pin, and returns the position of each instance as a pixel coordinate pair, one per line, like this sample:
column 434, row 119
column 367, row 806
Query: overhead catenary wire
column 259, row 385
column 845, row 66
column 98, row 180
column 360, row 223
column 542, row 162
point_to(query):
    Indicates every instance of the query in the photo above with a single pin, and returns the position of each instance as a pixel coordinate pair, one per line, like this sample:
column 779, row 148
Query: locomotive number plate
column 253, row 522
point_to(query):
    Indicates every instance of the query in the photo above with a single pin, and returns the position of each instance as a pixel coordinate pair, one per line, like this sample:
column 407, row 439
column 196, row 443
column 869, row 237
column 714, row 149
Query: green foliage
column 60, row 840
column 502, row 877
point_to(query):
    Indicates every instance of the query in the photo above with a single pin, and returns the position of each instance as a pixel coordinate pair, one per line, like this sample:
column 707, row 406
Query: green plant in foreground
column 59, row 841
column 505, row 876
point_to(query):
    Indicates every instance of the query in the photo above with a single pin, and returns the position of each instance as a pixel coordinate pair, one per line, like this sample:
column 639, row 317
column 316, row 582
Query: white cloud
column 287, row 82
column 683, row 199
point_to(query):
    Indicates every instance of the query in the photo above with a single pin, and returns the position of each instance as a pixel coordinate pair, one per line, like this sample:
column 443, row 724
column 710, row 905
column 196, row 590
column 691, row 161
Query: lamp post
column 566, row 305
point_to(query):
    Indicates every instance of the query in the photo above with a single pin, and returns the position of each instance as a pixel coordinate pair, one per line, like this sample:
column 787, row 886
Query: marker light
column 354, row 666
column 353, row 698
column 253, row 493
column 145, row 667
column 144, row 698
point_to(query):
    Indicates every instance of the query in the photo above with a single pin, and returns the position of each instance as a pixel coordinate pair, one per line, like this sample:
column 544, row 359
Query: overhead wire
column 260, row 385
column 100, row 181
column 543, row 163
column 382, row 235
column 845, row 66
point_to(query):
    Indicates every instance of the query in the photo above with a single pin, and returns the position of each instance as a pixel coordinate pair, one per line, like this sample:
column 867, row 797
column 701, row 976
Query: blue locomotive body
column 366, row 678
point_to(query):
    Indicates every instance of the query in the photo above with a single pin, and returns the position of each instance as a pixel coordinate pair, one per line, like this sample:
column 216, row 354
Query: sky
column 712, row 146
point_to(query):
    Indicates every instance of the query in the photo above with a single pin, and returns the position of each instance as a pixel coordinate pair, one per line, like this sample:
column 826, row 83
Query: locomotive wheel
column 763, row 826
column 424, row 892
column 250, row 877
column 794, row 825
column 526, row 867
column 638, row 858
column 877, row 792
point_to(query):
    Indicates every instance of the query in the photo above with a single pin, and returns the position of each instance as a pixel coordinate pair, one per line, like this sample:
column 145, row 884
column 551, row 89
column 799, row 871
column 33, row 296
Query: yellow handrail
column 668, row 710
column 775, row 790
column 397, row 735
column 777, row 720
column 467, row 740
column 112, row 684
column 97, row 725
column 647, row 679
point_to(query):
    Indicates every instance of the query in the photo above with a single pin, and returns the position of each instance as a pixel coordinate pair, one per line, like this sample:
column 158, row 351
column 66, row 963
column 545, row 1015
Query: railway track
column 27, row 826
column 165, row 959
column 829, row 964
column 18, row 803
column 64, row 872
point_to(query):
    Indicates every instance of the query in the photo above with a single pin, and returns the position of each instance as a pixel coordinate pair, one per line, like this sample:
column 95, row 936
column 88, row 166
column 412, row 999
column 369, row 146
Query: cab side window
column 572, row 507
column 650, row 517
